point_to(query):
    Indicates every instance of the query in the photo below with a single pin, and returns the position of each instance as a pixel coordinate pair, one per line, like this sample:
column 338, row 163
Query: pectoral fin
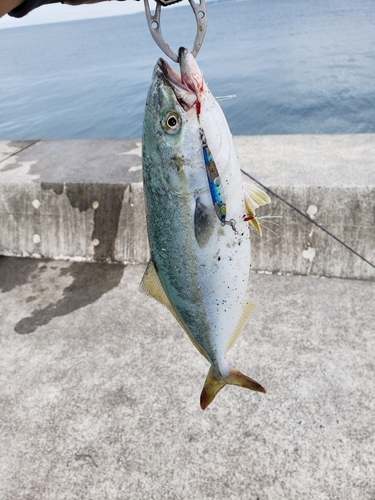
column 213, row 385
column 203, row 223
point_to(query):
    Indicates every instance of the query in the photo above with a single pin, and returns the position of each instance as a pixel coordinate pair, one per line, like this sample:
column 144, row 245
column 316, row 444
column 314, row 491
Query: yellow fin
column 257, row 195
column 152, row 286
column 250, row 207
column 250, row 211
column 256, row 224
column 254, row 197
column 213, row 385
column 249, row 307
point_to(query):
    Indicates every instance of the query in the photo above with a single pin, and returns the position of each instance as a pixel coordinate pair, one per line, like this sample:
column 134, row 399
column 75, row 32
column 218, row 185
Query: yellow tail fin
column 212, row 385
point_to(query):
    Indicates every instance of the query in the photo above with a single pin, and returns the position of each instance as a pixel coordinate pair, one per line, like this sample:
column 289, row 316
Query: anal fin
column 249, row 307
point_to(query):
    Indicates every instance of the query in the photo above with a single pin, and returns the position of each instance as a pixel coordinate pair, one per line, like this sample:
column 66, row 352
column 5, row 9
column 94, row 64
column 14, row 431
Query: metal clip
column 153, row 22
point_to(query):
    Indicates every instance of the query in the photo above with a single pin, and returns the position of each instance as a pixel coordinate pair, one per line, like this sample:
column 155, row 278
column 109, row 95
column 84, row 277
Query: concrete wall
column 83, row 200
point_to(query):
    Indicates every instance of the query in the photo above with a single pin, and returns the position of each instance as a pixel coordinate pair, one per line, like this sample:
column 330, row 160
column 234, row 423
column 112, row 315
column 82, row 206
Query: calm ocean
column 297, row 66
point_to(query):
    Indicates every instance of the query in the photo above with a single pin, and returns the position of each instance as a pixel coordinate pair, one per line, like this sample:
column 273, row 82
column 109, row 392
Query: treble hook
column 153, row 22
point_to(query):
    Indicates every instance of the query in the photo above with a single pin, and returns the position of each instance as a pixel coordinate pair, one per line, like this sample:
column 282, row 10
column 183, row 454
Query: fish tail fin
column 213, row 385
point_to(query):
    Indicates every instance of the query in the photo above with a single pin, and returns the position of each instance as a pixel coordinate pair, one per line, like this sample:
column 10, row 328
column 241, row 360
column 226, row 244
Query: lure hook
column 154, row 25
column 231, row 223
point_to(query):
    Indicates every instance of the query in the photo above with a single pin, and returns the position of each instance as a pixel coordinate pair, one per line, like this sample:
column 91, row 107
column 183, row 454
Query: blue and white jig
column 216, row 188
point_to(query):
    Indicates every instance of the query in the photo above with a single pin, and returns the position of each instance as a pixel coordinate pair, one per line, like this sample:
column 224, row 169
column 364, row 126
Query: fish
column 198, row 213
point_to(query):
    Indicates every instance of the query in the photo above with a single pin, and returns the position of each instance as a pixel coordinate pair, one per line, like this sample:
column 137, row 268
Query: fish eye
column 171, row 122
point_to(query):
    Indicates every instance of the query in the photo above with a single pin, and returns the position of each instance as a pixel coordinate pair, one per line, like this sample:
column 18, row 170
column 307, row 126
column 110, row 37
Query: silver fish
column 197, row 207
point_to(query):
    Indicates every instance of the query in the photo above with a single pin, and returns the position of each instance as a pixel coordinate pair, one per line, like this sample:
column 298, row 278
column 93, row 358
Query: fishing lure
column 216, row 189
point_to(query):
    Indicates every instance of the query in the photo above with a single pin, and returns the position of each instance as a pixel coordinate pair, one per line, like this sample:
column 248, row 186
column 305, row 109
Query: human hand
column 80, row 2
column 19, row 8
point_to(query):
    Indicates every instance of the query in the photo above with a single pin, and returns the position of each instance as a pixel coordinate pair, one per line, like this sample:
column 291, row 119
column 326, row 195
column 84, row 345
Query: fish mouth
column 187, row 86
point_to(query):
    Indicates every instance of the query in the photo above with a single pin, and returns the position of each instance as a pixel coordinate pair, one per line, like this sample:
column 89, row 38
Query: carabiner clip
column 154, row 25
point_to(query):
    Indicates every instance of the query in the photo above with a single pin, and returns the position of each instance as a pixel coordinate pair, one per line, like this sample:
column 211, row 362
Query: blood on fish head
column 191, row 75
column 187, row 86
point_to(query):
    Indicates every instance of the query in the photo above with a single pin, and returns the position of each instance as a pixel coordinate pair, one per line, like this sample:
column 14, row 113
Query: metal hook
column 153, row 22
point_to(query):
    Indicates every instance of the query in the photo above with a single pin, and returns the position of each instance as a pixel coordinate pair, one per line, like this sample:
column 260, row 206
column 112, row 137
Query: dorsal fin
column 152, row 286
column 249, row 306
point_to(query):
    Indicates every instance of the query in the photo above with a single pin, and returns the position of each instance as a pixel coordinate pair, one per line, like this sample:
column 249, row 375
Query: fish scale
column 199, row 267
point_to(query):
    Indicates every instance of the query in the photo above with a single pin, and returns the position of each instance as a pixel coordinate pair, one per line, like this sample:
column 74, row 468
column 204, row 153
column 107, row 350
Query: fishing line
column 310, row 220
column 225, row 97
column 20, row 150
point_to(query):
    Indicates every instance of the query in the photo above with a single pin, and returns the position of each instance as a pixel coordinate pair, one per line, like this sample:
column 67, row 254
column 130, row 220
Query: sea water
column 295, row 66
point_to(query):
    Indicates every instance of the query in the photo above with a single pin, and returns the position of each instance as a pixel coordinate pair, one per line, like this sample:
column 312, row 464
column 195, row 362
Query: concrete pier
column 100, row 385
column 83, row 200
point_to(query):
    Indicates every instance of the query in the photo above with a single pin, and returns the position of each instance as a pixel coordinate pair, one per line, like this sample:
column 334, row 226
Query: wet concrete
column 103, row 401
column 90, row 282
column 15, row 272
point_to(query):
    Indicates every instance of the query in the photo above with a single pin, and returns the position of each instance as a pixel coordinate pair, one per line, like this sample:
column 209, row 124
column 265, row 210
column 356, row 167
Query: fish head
column 172, row 148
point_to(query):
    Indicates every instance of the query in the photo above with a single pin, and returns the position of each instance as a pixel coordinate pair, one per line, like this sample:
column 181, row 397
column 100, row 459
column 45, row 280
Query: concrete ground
column 100, row 391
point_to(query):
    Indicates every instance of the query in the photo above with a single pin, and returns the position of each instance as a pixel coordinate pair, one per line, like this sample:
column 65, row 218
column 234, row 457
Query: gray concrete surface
column 100, row 391
column 79, row 200
column 83, row 200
